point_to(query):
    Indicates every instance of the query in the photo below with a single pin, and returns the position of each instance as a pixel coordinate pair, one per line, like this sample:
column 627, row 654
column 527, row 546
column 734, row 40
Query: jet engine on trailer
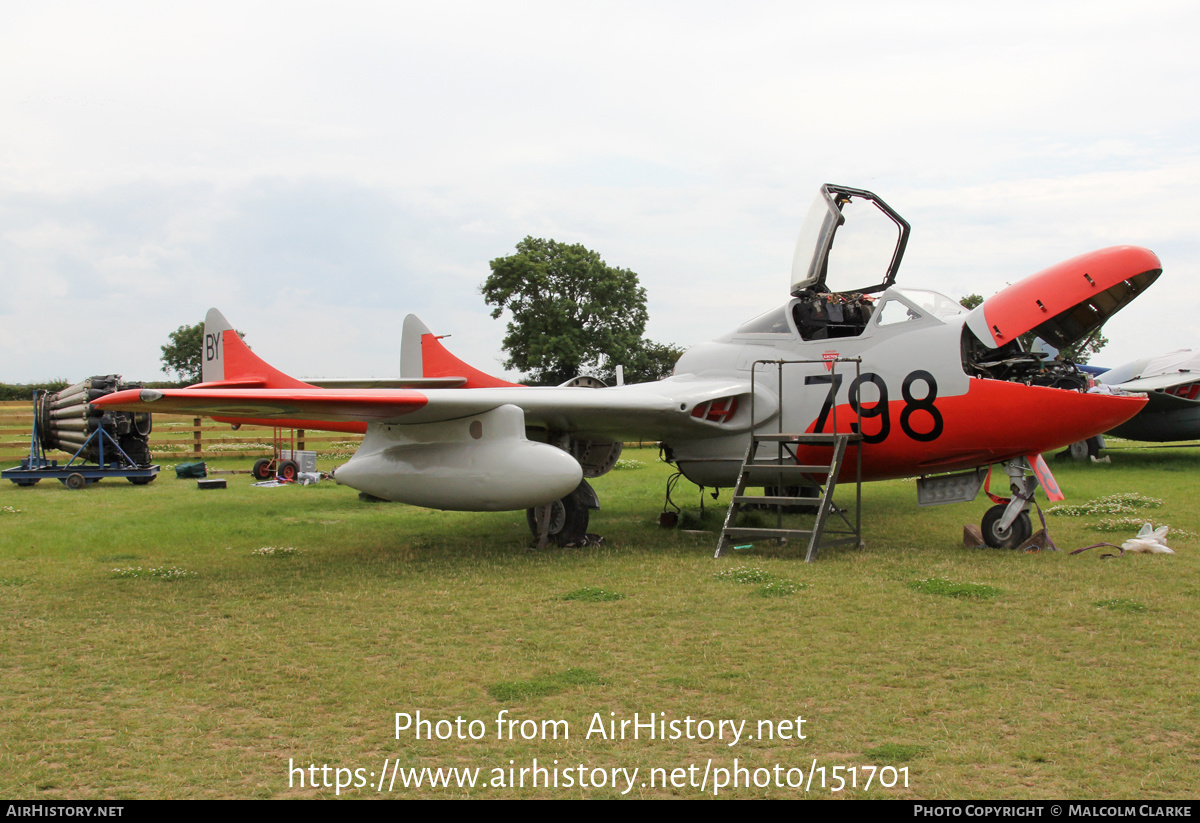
column 66, row 420
column 102, row 442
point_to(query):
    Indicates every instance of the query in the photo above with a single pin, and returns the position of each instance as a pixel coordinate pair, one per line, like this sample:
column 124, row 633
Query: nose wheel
column 1007, row 525
column 999, row 537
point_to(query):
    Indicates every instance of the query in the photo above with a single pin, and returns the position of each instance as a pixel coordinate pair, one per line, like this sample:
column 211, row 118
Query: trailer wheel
column 262, row 469
column 288, row 470
column 75, row 481
column 26, row 482
column 141, row 481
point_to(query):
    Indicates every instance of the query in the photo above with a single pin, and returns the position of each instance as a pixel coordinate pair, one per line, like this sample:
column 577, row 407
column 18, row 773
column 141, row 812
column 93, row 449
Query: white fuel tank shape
column 479, row 463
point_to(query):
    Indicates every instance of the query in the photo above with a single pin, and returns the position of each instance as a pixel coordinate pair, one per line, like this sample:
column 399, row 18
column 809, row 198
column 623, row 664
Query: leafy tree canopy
column 651, row 361
column 182, row 354
column 572, row 313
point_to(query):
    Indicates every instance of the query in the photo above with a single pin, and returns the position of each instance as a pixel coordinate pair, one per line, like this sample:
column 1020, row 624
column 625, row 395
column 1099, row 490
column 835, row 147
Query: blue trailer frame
column 74, row 475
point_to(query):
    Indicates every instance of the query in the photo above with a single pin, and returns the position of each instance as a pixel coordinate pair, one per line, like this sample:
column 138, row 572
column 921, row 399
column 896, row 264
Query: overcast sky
column 317, row 172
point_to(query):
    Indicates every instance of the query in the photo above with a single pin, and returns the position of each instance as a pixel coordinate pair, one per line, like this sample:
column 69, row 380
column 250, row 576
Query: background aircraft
column 936, row 388
column 1172, row 383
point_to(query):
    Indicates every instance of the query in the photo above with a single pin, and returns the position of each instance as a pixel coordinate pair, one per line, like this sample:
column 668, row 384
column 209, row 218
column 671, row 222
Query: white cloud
column 342, row 168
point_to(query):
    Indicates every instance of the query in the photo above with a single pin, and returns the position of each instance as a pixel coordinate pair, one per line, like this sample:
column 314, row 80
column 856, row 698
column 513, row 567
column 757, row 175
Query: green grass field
column 166, row 642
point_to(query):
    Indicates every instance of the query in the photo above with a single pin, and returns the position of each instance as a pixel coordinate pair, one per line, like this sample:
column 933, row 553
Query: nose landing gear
column 1001, row 537
column 1007, row 525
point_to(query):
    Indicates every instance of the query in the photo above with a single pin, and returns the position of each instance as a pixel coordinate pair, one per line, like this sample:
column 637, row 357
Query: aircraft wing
column 649, row 410
column 387, row 382
column 1172, row 380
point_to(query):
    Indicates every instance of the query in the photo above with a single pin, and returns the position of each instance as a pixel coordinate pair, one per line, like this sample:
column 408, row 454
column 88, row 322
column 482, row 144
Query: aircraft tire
column 1083, row 451
column 262, row 469
column 568, row 519
column 1009, row 538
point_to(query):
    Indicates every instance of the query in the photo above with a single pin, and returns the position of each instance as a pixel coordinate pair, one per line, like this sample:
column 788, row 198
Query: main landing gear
column 564, row 521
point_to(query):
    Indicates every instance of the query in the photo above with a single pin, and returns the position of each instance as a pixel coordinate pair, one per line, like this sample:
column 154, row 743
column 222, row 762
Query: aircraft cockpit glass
column 865, row 243
column 919, row 303
column 894, row 311
column 816, row 234
column 905, row 305
column 870, row 236
column 772, row 322
column 935, row 303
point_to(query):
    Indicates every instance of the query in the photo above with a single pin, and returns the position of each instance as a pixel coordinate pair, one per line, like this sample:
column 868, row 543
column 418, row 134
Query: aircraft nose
column 1056, row 418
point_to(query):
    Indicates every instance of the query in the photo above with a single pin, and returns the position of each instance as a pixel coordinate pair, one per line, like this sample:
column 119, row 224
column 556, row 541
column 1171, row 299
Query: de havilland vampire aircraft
column 936, row 388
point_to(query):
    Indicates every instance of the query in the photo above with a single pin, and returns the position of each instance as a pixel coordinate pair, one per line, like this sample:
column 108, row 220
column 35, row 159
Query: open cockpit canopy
column 865, row 261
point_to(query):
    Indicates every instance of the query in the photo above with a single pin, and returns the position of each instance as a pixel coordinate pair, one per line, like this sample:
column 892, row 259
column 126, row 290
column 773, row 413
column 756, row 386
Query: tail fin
column 422, row 355
column 227, row 361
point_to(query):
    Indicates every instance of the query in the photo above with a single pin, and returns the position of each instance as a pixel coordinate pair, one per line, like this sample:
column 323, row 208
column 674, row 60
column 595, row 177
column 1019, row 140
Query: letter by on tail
column 228, row 362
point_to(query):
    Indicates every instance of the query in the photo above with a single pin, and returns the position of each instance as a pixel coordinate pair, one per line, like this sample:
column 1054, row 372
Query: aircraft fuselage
column 910, row 397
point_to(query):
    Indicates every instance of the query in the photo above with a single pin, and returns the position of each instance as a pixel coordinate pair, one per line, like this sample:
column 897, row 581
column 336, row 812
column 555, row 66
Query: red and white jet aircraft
column 938, row 389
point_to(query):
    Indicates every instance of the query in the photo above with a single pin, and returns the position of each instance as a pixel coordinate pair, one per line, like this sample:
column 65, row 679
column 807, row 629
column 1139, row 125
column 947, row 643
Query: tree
column 1078, row 353
column 652, row 361
column 571, row 312
column 182, row 354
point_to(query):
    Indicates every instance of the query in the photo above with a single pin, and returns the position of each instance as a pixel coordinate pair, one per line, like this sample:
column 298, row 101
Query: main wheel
column 1082, row 451
column 262, row 469
column 568, row 520
column 75, row 481
column 1009, row 538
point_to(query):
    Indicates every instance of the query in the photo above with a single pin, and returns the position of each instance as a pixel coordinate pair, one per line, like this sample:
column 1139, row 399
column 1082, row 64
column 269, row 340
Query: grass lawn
column 167, row 642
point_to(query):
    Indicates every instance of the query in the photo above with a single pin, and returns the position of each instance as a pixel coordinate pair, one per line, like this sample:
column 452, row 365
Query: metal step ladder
column 785, row 469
